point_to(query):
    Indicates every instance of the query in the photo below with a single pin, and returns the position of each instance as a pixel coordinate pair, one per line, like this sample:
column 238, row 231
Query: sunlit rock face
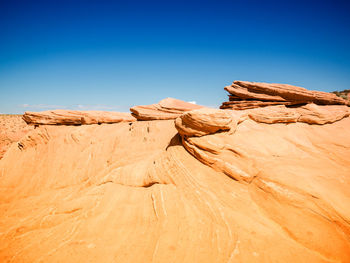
column 72, row 117
column 266, row 184
column 248, row 95
column 12, row 129
column 166, row 109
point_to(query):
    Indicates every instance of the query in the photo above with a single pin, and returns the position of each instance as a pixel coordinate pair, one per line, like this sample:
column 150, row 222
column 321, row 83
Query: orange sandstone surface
column 12, row 129
column 266, row 184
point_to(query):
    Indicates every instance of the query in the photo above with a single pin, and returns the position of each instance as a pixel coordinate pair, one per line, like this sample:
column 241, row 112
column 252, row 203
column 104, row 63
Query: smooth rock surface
column 310, row 113
column 166, row 109
column 274, row 114
column 315, row 114
column 72, row 117
column 204, row 121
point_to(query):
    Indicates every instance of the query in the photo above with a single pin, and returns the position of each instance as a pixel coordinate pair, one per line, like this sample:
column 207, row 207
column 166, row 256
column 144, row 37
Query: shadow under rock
column 176, row 140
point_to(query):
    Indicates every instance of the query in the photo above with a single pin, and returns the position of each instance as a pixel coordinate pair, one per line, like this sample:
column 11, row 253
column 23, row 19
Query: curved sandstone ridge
column 166, row 109
column 199, row 123
column 203, row 121
column 72, row 117
column 105, row 192
column 248, row 95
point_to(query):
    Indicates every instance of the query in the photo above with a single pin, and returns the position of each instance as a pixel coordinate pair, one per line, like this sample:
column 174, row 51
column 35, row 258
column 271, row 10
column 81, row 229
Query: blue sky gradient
column 111, row 55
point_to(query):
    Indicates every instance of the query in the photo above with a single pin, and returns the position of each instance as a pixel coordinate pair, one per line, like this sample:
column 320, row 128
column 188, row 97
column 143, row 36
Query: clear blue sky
column 112, row 55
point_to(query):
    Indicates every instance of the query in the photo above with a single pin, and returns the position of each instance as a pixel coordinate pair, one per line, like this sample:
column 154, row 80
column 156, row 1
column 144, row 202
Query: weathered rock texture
column 166, row 109
column 288, row 169
column 198, row 123
column 72, row 117
column 248, row 95
column 309, row 113
column 132, row 193
column 12, row 129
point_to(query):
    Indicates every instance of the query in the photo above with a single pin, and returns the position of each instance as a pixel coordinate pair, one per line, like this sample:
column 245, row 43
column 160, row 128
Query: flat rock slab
column 71, row 117
column 166, row 109
column 249, row 95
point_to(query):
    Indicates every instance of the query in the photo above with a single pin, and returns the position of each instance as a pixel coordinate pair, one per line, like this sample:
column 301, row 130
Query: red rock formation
column 166, row 109
column 70, row 117
column 292, row 93
column 251, row 104
column 103, row 193
column 199, row 123
column 288, row 169
column 267, row 184
column 203, row 121
column 248, row 95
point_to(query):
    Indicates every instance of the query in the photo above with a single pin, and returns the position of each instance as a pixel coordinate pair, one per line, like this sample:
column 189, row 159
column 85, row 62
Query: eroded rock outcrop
column 248, row 95
column 201, row 131
column 166, row 109
column 72, row 117
column 213, row 150
column 251, row 154
column 102, row 192
column 255, row 185
column 204, row 121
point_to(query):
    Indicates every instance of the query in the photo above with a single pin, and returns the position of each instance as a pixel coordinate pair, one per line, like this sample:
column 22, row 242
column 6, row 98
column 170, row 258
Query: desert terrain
column 263, row 179
column 12, row 128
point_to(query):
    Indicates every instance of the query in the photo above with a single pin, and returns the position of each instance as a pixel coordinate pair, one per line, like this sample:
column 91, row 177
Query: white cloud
column 193, row 102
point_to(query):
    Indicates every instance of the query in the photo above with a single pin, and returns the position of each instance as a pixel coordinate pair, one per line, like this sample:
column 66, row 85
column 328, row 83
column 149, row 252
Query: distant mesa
column 166, row 109
column 71, row 117
column 249, row 95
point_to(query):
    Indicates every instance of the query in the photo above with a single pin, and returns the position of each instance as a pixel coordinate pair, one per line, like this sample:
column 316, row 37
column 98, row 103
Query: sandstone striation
column 72, row 117
column 166, row 109
column 248, row 95
column 263, row 184
column 259, row 192
column 203, row 121
column 216, row 151
column 309, row 113
column 12, row 129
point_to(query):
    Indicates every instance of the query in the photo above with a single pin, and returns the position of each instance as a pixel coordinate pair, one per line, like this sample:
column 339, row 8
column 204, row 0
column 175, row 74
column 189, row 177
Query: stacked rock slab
column 166, row 109
column 249, row 95
column 71, row 117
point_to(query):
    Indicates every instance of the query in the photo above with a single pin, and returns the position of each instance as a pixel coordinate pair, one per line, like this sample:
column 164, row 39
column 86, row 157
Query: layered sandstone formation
column 248, row 95
column 166, row 109
column 194, row 125
column 260, row 185
column 72, row 117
